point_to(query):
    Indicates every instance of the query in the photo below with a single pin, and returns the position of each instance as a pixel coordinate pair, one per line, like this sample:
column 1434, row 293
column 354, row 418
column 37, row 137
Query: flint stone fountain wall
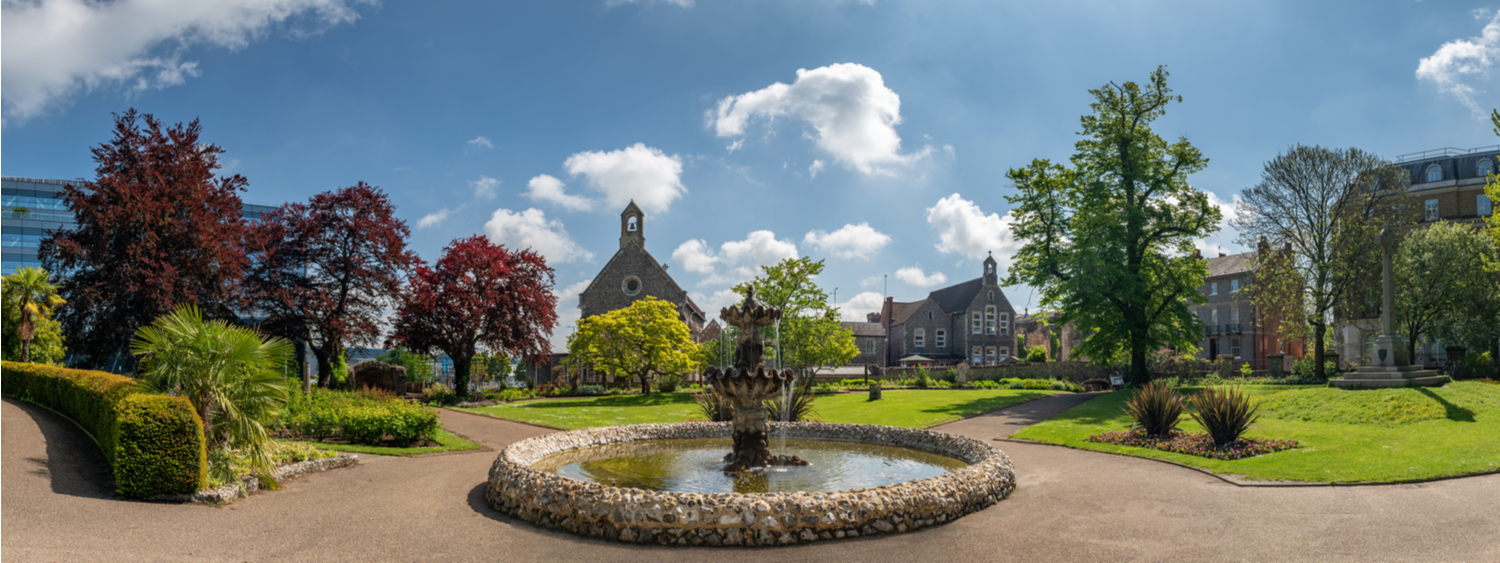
column 641, row 516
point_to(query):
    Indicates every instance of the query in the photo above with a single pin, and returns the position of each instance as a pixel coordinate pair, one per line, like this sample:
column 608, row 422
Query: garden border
column 637, row 516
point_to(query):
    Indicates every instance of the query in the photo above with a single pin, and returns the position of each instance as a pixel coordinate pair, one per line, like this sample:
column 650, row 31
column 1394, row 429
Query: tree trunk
column 26, row 351
column 1319, row 330
column 646, row 383
column 461, row 376
column 325, row 367
column 27, row 331
column 205, row 410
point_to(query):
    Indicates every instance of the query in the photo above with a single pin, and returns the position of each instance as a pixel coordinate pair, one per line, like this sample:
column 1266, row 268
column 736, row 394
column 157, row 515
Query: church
column 632, row 274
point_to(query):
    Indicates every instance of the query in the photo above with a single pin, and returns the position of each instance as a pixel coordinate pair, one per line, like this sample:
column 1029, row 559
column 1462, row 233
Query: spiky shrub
column 712, row 408
column 1225, row 413
column 1156, row 408
column 800, row 399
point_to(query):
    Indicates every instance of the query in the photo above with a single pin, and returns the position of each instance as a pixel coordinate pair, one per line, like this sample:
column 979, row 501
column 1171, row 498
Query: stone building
column 1043, row 329
column 632, row 274
column 967, row 322
column 870, row 339
column 1232, row 326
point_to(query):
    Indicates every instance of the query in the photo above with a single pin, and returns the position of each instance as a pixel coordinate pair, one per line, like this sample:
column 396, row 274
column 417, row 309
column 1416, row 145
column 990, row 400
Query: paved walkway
column 1070, row 506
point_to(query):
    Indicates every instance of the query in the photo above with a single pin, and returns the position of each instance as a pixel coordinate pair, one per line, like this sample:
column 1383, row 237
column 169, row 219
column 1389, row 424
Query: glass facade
column 31, row 208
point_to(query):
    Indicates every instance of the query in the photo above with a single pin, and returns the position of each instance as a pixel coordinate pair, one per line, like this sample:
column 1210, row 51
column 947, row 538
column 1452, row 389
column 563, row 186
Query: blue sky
column 875, row 135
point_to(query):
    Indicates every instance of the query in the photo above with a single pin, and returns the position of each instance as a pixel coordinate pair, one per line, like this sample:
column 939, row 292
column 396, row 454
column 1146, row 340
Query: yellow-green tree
column 1492, row 189
column 810, row 333
column 29, row 297
column 642, row 341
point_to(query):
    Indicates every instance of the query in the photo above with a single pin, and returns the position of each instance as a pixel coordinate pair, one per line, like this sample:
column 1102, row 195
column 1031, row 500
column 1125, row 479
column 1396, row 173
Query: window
column 1430, row 210
column 1434, row 173
column 1004, row 353
column 869, row 346
column 929, row 315
column 977, row 356
column 976, row 322
column 992, row 296
column 989, row 320
column 1482, row 203
column 919, row 337
column 1234, row 286
column 631, row 285
column 1234, row 315
column 942, row 338
column 1485, row 168
column 1213, row 288
column 989, row 355
column 632, row 224
column 1004, row 324
column 1213, row 317
column 1234, row 347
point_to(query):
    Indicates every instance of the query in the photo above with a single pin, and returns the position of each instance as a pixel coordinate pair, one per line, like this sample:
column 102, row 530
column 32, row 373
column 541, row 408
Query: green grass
column 1344, row 436
column 446, row 442
column 910, row 409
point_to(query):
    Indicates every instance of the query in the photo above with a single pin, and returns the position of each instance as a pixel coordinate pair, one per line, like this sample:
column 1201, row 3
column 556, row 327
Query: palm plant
column 799, row 401
column 712, row 407
column 230, row 374
column 36, row 296
column 1156, row 408
column 1225, row 413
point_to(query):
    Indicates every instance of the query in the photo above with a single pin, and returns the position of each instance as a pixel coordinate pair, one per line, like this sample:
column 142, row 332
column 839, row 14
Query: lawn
column 446, row 442
column 909, row 409
column 1344, row 436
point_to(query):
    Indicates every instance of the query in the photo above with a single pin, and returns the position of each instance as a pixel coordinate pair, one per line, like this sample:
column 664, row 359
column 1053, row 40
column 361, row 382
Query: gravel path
column 1070, row 506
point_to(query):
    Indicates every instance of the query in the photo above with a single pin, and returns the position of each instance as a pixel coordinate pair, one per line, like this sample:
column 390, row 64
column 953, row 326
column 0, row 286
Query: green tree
column 1448, row 281
column 1109, row 241
column 1279, row 293
column 643, row 340
column 1328, row 205
column 232, row 376
column 28, row 299
column 1492, row 188
column 418, row 367
column 810, row 332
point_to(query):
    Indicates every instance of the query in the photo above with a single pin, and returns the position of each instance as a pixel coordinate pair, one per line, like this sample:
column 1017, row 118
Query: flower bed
column 1200, row 445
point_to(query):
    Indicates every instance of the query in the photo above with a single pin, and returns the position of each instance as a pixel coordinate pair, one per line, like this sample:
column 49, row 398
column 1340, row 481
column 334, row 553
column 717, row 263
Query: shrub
column 154, row 442
column 438, row 394
column 827, row 389
column 361, row 417
column 799, row 402
column 668, row 383
column 1303, row 368
column 1156, row 408
column 1225, row 413
column 1037, row 353
column 712, row 408
column 587, row 390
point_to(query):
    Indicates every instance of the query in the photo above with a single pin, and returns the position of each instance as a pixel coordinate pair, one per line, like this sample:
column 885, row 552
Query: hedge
column 153, row 442
column 357, row 417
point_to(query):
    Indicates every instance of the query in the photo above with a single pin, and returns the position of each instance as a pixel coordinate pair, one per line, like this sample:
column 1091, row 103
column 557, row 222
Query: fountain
column 748, row 385
column 672, row 484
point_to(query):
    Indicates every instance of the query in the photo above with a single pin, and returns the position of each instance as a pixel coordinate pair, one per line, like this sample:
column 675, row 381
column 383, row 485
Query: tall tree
column 1448, row 281
column 1329, row 205
column 30, row 298
column 1278, row 296
column 1492, row 187
column 809, row 332
column 1109, row 241
column 323, row 271
column 478, row 294
column 639, row 342
column 155, row 228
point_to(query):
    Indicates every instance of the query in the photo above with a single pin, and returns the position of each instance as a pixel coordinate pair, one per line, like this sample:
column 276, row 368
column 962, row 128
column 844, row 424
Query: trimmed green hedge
column 153, row 442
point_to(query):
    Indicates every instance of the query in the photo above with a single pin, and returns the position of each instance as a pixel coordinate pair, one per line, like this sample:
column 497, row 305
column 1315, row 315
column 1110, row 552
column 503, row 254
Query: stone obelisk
column 1391, row 366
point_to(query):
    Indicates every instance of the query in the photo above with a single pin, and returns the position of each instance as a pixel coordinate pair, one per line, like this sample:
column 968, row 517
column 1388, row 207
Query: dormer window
column 631, row 226
column 1434, row 173
column 1486, row 167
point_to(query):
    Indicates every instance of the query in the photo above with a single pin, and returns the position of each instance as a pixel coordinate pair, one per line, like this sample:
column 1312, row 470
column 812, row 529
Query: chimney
column 886, row 312
column 1197, row 253
column 1222, row 254
column 872, row 318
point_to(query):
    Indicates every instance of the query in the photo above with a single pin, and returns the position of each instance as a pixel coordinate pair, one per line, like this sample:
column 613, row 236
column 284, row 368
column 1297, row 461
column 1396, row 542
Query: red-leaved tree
column 478, row 294
column 155, row 228
column 323, row 271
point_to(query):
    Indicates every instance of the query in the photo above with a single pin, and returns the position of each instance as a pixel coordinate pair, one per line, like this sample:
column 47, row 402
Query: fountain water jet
column 748, row 384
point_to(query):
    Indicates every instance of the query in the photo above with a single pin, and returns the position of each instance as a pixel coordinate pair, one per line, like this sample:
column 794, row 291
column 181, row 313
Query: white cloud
column 435, row 218
column 737, row 145
column 485, row 187
column 549, row 189
column 638, row 172
column 482, row 141
column 871, row 281
column 712, row 303
column 52, row 49
column 914, row 276
column 1455, row 63
column 531, row 229
column 851, row 241
column 857, row 307
column 965, row 230
column 817, row 166
column 567, row 313
column 848, row 104
column 1224, row 239
column 736, row 261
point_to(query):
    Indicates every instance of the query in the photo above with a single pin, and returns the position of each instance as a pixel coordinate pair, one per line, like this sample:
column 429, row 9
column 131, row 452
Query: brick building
column 1232, row 326
column 967, row 322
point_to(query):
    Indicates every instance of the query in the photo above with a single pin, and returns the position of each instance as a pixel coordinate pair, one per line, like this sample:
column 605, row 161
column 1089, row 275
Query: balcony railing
column 1232, row 328
column 1211, row 329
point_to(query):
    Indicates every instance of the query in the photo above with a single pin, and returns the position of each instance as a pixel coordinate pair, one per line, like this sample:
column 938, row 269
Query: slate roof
column 712, row 331
column 900, row 312
column 864, row 329
column 1232, row 264
column 957, row 297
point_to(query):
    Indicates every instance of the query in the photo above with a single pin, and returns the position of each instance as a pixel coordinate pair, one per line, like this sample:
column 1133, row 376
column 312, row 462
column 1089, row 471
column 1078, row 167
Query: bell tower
column 991, row 276
column 632, row 226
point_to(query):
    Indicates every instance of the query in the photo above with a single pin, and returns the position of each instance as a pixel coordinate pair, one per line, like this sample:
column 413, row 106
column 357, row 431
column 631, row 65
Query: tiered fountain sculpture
column 748, row 385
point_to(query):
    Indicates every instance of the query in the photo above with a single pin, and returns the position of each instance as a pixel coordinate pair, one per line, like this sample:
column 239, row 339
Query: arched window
column 1434, row 173
column 992, row 296
column 1485, row 168
column 632, row 224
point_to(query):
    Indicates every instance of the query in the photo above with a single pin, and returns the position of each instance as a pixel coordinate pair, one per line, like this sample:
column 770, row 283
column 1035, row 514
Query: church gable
column 633, row 274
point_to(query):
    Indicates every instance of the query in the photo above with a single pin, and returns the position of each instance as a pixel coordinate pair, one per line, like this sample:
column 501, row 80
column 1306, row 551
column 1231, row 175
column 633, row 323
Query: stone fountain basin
column 660, row 517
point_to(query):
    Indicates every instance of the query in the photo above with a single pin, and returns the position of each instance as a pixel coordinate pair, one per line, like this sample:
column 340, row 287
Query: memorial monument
column 1391, row 365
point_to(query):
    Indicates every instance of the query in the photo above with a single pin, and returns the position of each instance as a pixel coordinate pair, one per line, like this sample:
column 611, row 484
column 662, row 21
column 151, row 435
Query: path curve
column 1070, row 505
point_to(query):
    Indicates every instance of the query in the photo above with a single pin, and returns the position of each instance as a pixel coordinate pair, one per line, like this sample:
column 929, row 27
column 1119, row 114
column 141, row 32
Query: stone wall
column 637, row 516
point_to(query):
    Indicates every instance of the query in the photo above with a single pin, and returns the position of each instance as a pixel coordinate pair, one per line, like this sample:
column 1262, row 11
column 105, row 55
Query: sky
column 874, row 135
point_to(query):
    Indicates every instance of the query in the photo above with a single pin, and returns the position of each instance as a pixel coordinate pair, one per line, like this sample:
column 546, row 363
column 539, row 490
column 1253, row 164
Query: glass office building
column 33, row 207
